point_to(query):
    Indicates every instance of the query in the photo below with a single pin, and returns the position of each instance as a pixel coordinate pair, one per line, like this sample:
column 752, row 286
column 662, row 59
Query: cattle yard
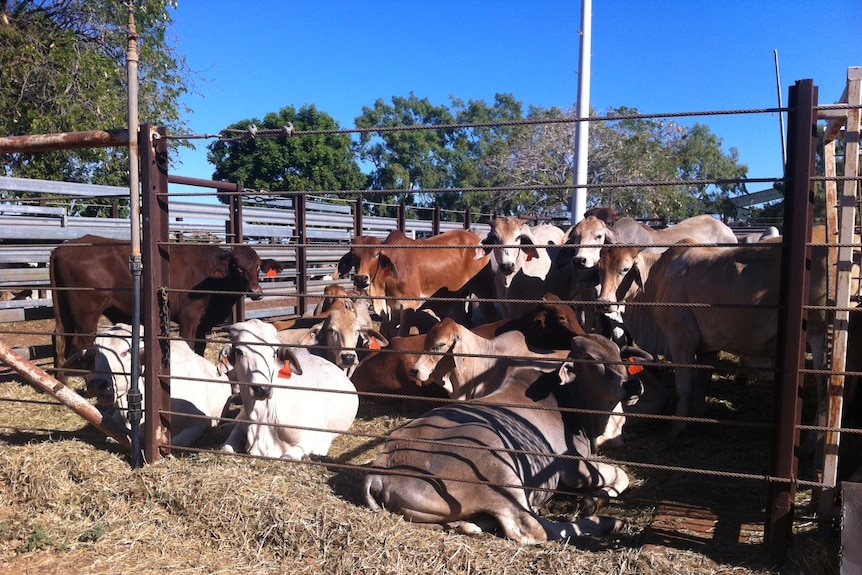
column 738, row 490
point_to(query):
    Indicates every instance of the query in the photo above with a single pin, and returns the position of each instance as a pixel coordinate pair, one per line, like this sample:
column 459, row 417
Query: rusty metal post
column 235, row 235
column 299, row 214
column 156, row 264
column 435, row 221
column 357, row 217
column 790, row 359
column 468, row 217
column 402, row 216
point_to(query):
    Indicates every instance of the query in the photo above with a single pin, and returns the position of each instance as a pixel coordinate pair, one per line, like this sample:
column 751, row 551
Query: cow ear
column 481, row 253
column 375, row 339
column 222, row 267
column 287, row 354
column 311, row 337
column 610, row 236
column 567, row 373
column 271, row 265
column 388, row 266
column 226, row 359
column 629, row 351
column 344, row 266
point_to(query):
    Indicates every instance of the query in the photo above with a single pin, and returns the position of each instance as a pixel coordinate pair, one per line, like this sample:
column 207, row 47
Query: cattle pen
column 736, row 491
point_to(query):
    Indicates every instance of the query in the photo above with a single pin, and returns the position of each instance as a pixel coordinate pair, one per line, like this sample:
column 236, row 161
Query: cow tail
column 373, row 488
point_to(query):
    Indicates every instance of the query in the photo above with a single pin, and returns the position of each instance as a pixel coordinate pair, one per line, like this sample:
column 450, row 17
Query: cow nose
column 414, row 373
column 360, row 282
column 348, row 358
column 102, row 390
column 257, row 294
column 606, row 306
column 633, row 388
column 507, row 268
column 579, row 262
column 260, row 391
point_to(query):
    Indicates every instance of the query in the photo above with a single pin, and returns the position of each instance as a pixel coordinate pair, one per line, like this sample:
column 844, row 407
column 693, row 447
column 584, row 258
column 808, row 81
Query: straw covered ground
column 69, row 503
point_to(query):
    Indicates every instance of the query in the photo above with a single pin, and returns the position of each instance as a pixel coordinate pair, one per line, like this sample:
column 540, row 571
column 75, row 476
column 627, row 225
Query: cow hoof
column 592, row 503
column 227, row 449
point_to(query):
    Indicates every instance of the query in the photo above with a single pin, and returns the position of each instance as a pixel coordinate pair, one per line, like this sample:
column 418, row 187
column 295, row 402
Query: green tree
column 62, row 68
column 317, row 162
column 409, row 159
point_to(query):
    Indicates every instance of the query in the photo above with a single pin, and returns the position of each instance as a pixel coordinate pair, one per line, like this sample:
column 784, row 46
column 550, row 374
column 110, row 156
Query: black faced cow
column 90, row 276
column 498, row 456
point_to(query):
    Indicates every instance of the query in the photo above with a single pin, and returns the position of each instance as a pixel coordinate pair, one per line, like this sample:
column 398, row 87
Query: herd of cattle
column 451, row 317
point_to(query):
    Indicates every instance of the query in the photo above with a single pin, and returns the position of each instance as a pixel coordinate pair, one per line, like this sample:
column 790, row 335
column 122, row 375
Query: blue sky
column 654, row 55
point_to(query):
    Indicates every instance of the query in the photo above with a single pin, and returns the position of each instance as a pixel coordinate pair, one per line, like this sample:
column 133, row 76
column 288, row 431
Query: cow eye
column 624, row 271
column 238, row 352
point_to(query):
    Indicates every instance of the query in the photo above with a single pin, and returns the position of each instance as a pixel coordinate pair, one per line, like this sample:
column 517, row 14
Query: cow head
column 108, row 364
column 587, row 238
column 259, row 360
column 509, row 233
column 598, row 375
column 364, row 257
column 243, row 266
column 439, row 360
column 620, row 277
column 342, row 333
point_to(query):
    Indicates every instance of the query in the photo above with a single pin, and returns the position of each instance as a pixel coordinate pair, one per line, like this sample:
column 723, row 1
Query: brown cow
column 90, row 276
column 395, row 279
column 497, row 457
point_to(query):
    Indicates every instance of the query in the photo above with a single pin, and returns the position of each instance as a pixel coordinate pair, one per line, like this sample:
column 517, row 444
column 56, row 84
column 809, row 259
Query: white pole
column 582, row 129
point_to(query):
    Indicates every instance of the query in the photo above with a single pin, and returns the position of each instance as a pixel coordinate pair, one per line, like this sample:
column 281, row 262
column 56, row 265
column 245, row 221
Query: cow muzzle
column 256, row 294
column 633, row 389
column 260, row 391
column 102, row 389
column 361, row 282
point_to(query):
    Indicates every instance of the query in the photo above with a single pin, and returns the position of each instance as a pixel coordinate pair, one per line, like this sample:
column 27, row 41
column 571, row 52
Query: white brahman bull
column 519, row 272
column 293, row 403
column 496, row 458
column 199, row 389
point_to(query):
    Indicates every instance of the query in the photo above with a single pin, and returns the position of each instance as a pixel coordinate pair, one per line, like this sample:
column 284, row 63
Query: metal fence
column 323, row 230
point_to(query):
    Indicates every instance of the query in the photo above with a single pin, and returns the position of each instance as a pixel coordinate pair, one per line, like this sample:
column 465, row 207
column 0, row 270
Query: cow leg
column 235, row 442
column 603, row 481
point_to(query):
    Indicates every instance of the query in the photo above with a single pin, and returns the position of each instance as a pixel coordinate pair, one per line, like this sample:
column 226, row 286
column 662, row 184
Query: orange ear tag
column 271, row 273
column 374, row 344
column 634, row 368
column 285, row 371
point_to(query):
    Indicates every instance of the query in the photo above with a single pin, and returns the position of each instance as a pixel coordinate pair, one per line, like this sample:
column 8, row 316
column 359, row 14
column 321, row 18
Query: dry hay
column 69, row 503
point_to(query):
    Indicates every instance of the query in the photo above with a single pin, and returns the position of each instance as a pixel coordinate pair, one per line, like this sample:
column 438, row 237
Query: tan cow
column 520, row 261
column 468, row 365
column 741, row 286
column 494, row 461
column 398, row 272
column 623, row 270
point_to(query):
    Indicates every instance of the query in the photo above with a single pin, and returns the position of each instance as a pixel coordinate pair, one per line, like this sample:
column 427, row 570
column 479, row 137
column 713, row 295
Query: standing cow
column 90, row 276
column 400, row 271
column 498, row 456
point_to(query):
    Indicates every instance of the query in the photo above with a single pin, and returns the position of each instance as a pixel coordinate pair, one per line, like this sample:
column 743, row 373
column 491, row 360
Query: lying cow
column 199, row 390
column 497, row 457
column 293, row 403
column 90, row 276
column 468, row 365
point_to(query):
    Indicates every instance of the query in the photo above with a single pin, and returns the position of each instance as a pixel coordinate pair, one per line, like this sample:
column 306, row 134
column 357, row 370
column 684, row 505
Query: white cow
column 519, row 272
column 199, row 389
column 293, row 403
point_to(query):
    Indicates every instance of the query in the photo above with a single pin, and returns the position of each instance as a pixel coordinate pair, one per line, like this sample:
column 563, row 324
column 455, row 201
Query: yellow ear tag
column 374, row 344
column 285, row 371
column 634, row 368
column 271, row 273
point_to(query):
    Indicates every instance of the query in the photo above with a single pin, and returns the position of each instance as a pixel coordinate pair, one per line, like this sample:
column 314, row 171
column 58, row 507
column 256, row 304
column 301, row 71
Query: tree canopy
column 318, row 162
column 62, row 68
